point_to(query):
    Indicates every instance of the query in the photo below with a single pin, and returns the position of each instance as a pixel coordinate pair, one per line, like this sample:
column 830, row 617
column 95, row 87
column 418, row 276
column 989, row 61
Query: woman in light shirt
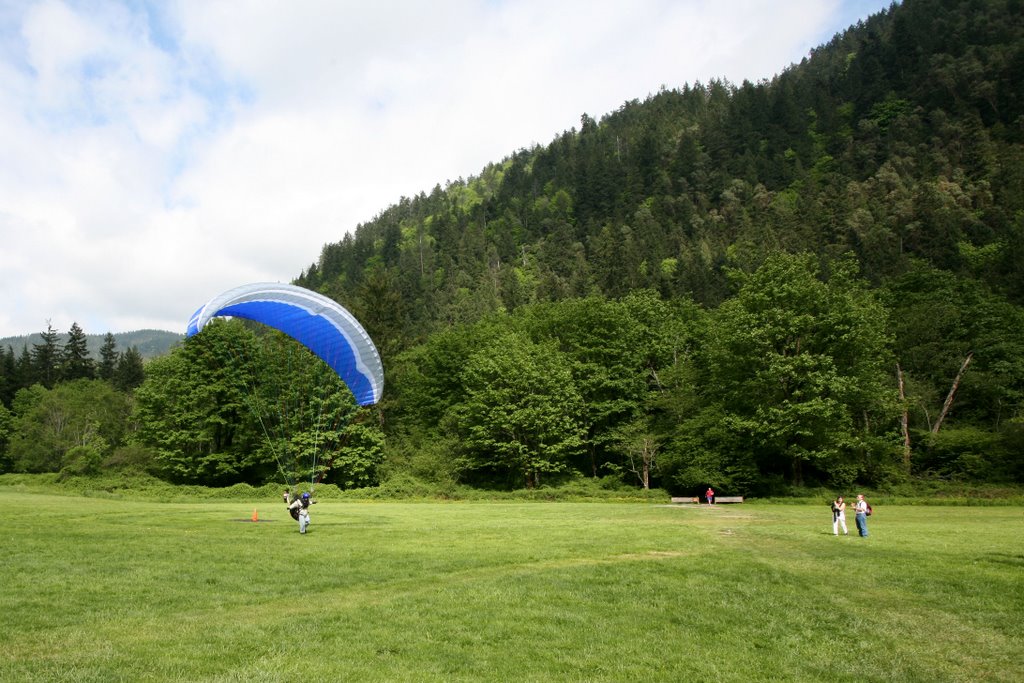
column 839, row 516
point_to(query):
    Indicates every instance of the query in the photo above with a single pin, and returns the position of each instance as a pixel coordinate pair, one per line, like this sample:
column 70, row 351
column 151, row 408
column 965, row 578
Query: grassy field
column 114, row 590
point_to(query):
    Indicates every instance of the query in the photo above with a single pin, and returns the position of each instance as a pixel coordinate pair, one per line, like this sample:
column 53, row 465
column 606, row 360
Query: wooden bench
column 718, row 499
column 685, row 500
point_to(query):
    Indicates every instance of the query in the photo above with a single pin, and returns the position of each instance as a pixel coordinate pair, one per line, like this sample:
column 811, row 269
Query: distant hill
column 150, row 343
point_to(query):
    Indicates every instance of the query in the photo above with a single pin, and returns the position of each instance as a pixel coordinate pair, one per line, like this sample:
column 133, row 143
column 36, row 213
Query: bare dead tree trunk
column 646, row 449
column 952, row 392
column 904, row 421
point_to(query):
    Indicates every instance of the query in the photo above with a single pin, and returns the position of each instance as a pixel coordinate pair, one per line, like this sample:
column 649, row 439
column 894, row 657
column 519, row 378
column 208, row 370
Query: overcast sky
column 154, row 154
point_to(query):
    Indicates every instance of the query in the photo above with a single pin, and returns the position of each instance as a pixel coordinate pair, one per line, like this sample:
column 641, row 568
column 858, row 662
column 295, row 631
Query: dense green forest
column 809, row 280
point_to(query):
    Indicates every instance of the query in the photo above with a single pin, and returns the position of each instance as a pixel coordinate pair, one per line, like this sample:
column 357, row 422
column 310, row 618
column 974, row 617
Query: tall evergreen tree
column 75, row 360
column 24, row 369
column 130, row 371
column 107, row 367
column 8, row 376
column 46, row 358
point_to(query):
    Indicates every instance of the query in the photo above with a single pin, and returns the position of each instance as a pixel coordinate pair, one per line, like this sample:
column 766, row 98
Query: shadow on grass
column 1005, row 558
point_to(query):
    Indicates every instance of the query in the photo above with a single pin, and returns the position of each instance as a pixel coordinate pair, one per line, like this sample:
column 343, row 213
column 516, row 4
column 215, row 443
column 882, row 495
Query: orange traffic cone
column 255, row 515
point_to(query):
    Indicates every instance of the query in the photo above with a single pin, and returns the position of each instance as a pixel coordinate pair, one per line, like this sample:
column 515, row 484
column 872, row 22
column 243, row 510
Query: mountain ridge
column 149, row 343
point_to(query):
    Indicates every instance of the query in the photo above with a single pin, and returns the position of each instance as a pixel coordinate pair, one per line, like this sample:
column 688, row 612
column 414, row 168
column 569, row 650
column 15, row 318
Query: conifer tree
column 108, row 358
column 46, row 358
column 8, row 376
column 24, row 369
column 75, row 360
column 130, row 371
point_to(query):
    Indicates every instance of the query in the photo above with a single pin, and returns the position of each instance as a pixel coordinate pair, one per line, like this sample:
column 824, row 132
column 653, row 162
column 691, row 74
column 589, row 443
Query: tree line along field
column 103, row 590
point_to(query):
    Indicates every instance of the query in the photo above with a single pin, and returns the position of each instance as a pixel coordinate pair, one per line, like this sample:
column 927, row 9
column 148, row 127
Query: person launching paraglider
column 317, row 322
column 299, row 510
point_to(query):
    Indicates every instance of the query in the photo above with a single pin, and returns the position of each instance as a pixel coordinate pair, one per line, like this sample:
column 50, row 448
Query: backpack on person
column 869, row 510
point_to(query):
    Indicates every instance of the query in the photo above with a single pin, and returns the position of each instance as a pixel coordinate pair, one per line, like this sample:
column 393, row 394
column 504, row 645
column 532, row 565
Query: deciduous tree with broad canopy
column 798, row 365
column 521, row 411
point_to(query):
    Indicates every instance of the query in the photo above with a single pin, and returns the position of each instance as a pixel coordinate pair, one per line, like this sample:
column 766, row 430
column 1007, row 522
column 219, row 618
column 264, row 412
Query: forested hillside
column 897, row 143
column 896, row 147
column 812, row 280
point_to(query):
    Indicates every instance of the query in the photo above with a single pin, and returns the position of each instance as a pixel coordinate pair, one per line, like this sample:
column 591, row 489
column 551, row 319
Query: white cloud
column 156, row 154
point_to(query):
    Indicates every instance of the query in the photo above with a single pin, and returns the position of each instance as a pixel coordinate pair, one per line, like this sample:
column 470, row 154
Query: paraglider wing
column 319, row 323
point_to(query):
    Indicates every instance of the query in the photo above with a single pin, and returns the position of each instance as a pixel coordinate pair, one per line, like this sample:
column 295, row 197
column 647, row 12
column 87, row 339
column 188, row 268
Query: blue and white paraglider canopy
column 317, row 322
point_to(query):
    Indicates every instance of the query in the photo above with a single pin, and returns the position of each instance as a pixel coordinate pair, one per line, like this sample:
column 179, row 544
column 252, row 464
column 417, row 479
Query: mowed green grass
column 116, row 590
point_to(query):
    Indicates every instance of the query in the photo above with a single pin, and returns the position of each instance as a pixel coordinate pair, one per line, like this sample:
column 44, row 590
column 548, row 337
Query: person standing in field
column 709, row 495
column 839, row 516
column 861, row 508
column 299, row 510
